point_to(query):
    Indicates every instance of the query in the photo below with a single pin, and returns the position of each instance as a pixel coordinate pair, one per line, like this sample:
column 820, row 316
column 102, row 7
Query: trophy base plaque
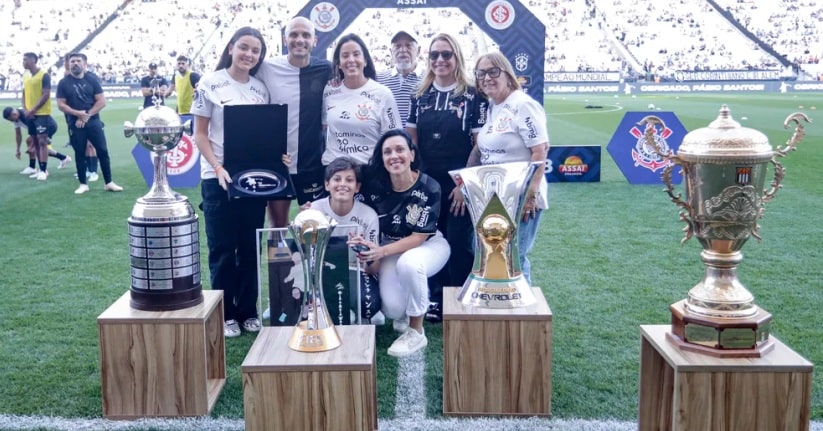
column 508, row 293
column 313, row 340
column 723, row 338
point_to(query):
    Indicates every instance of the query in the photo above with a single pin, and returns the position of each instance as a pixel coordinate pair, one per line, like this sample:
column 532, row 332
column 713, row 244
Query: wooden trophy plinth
column 723, row 338
column 162, row 363
column 496, row 361
column 284, row 389
column 688, row 391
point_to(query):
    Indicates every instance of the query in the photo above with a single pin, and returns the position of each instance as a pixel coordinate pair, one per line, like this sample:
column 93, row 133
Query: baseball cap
column 152, row 65
column 408, row 33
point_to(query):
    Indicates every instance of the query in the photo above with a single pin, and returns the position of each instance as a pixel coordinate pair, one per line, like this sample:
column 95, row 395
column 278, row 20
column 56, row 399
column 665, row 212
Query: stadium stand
column 646, row 38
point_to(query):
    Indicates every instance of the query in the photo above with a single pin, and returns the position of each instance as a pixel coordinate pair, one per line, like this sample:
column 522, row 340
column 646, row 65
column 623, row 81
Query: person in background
column 153, row 85
column 231, row 225
column 37, row 117
column 515, row 131
column 446, row 115
column 411, row 249
column 184, row 82
column 18, row 118
column 80, row 97
column 402, row 80
column 297, row 80
column 358, row 110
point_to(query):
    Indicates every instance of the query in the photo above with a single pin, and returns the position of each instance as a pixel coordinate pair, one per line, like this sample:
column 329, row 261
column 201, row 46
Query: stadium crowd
column 121, row 37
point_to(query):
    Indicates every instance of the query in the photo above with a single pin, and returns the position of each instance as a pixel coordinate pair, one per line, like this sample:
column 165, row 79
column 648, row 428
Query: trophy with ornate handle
column 163, row 228
column 724, row 170
column 495, row 195
column 312, row 231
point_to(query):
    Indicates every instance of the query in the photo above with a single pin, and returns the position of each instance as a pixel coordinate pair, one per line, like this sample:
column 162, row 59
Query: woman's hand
column 286, row 159
column 458, row 204
column 223, row 177
column 367, row 251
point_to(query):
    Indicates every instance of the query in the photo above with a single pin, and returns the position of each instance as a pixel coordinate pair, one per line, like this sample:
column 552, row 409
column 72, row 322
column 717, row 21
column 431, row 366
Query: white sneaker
column 411, row 341
column 28, row 171
column 112, row 187
column 92, row 176
column 252, row 324
column 64, row 162
column 401, row 325
column 35, row 174
column 82, row 189
column 267, row 313
column 378, row 319
column 231, row 329
column 42, row 175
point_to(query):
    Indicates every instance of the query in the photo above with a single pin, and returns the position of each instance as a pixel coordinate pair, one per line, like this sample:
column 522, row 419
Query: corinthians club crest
column 645, row 156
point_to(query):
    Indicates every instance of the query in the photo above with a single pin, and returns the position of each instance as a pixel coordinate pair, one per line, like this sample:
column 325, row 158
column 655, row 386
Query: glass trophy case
column 282, row 281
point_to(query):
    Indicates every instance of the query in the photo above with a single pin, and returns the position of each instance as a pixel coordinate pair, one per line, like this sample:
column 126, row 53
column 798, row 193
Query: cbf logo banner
column 518, row 33
column 639, row 161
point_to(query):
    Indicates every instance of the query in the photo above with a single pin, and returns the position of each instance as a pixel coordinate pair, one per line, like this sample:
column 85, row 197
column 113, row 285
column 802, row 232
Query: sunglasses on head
column 446, row 55
column 493, row 72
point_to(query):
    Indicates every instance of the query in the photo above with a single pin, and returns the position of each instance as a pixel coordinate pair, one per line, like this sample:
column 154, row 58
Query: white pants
column 404, row 288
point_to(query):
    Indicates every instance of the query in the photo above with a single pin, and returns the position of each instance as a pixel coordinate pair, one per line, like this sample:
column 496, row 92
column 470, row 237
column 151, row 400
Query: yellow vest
column 185, row 92
column 33, row 86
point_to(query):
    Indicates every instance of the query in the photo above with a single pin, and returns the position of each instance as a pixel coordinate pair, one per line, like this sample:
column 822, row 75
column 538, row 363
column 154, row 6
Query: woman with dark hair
column 358, row 110
column 411, row 248
column 515, row 131
column 446, row 114
column 231, row 225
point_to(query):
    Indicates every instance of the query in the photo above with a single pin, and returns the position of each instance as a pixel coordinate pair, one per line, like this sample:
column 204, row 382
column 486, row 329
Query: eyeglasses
column 493, row 72
column 445, row 55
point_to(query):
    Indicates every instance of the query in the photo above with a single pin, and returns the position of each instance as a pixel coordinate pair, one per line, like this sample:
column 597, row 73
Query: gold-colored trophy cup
column 316, row 333
column 495, row 195
column 724, row 170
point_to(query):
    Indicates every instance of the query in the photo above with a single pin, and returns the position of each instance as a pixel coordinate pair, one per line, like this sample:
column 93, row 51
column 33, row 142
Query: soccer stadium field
column 608, row 259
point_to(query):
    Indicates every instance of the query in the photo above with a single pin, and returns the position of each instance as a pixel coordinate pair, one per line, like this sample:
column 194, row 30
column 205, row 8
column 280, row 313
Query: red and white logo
column 182, row 157
column 646, row 156
column 325, row 17
column 500, row 14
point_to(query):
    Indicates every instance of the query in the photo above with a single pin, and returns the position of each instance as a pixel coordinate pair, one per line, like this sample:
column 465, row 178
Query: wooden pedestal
column 288, row 390
column 162, row 363
column 686, row 391
column 496, row 361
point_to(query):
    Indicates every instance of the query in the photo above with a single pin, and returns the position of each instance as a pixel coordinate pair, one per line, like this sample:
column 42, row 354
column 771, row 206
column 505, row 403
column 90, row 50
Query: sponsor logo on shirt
column 362, row 112
column 420, row 195
column 531, row 128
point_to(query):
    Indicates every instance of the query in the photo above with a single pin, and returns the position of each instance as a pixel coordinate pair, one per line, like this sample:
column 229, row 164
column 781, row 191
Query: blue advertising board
column 182, row 163
column 635, row 158
column 573, row 164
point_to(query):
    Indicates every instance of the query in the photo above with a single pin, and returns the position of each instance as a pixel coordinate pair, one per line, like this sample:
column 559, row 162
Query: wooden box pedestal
column 496, row 361
column 687, row 391
column 162, row 363
column 288, row 390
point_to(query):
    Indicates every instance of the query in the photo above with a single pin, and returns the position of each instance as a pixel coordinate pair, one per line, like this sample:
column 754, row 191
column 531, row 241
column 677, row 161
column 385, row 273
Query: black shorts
column 43, row 125
column 310, row 186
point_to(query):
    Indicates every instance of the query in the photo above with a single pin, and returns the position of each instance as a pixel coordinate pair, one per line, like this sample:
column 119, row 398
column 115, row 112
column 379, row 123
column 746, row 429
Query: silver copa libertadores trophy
column 164, row 234
column 724, row 170
column 312, row 231
column 495, row 195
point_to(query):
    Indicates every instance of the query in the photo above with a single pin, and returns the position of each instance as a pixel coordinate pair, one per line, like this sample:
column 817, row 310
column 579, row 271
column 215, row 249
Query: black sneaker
column 435, row 313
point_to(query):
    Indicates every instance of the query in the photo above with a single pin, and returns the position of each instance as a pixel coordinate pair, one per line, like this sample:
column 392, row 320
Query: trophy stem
column 720, row 293
column 160, row 189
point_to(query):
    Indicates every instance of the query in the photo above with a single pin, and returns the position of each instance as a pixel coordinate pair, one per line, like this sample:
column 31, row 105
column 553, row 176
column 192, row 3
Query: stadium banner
column 684, row 87
column 573, row 164
column 638, row 161
column 727, row 75
column 182, row 163
column 582, row 76
column 509, row 23
column 121, row 91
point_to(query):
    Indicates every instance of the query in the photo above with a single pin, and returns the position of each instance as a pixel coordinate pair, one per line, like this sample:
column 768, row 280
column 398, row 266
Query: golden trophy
column 495, row 195
column 724, row 170
column 315, row 331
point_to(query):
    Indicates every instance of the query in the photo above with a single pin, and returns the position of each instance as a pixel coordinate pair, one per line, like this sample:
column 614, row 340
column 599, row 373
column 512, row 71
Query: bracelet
column 218, row 168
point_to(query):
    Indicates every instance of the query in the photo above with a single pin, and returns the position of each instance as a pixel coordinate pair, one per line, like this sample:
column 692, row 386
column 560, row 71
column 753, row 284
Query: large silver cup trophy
column 724, row 169
column 495, row 195
column 312, row 231
column 164, row 235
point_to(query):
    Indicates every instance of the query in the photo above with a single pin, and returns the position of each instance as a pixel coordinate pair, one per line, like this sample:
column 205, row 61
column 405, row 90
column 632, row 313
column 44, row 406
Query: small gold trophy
column 724, row 172
column 316, row 333
column 495, row 195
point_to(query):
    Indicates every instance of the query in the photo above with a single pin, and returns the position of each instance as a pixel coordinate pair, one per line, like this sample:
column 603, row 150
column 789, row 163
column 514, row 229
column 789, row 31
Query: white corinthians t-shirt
column 214, row 91
column 361, row 215
column 355, row 120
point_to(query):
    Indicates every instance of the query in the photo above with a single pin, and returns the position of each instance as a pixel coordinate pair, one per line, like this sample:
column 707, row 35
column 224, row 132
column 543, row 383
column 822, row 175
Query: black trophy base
column 177, row 299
